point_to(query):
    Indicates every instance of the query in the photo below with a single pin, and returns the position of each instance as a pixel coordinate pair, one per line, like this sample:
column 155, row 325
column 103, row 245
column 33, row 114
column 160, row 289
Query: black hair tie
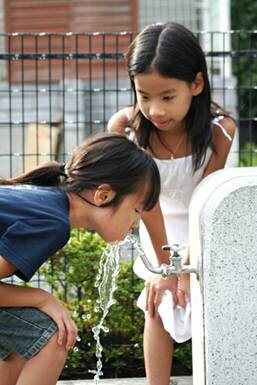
column 62, row 171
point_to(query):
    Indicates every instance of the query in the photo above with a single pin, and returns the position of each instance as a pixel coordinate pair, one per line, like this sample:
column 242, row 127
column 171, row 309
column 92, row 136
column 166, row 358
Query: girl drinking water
column 106, row 185
column 189, row 137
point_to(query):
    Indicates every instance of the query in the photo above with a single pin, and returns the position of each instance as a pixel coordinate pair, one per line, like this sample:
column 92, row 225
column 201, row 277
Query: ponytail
column 48, row 174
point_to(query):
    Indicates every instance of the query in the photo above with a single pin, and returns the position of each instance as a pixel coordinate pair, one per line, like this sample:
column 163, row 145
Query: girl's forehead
column 154, row 82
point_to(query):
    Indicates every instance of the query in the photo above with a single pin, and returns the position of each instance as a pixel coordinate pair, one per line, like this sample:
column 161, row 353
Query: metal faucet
column 176, row 267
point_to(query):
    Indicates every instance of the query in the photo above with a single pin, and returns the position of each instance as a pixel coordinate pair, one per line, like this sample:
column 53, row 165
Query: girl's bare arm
column 154, row 223
column 221, row 145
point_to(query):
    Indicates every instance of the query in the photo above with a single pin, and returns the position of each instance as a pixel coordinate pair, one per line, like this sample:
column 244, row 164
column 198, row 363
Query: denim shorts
column 24, row 330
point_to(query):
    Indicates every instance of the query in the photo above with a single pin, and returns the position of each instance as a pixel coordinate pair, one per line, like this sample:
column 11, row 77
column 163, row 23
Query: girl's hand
column 154, row 292
column 183, row 290
column 67, row 329
column 19, row 296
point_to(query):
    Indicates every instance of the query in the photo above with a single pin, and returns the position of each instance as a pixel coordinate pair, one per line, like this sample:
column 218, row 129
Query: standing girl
column 189, row 137
column 105, row 186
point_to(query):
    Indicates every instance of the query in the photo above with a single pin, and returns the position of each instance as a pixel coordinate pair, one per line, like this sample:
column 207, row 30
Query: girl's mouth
column 161, row 124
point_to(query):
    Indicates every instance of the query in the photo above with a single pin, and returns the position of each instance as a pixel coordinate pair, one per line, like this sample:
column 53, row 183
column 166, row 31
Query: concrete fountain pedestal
column 223, row 247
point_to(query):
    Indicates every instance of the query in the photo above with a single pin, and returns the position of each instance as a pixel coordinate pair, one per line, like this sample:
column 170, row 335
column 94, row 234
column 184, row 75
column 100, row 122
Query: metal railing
column 75, row 82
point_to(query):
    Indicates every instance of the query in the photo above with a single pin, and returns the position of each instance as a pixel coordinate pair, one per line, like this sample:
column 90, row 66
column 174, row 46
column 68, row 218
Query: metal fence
column 56, row 89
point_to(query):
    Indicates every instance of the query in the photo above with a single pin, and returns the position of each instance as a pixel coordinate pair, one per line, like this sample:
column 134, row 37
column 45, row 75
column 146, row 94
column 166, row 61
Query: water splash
column 135, row 242
column 106, row 282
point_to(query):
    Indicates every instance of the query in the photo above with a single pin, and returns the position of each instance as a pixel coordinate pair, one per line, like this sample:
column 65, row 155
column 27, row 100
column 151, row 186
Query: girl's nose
column 156, row 110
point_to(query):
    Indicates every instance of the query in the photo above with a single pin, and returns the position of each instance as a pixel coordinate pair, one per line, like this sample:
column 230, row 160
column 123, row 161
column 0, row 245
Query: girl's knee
column 153, row 322
column 59, row 351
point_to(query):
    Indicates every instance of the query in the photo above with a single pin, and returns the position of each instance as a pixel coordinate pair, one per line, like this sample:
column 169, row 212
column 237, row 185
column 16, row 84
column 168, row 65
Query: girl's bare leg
column 44, row 368
column 158, row 351
column 10, row 369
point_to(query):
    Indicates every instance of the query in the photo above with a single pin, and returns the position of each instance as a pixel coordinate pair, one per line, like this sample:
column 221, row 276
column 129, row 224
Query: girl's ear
column 198, row 84
column 104, row 194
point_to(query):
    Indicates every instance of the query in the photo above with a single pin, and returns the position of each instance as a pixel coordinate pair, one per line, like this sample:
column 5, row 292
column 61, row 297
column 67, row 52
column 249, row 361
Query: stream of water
column 106, row 282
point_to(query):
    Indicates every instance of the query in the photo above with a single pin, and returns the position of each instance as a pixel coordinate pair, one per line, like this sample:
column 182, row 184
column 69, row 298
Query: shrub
column 248, row 156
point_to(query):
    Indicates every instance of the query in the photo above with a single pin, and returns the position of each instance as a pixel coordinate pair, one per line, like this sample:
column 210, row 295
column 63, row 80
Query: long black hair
column 103, row 158
column 173, row 51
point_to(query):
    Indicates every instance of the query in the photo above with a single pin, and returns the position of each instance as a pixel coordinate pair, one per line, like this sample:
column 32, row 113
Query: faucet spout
column 150, row 267
column 176, row 267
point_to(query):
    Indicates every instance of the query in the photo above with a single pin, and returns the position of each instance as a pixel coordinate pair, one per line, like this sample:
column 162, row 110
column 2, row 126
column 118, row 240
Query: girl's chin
column 113, row 239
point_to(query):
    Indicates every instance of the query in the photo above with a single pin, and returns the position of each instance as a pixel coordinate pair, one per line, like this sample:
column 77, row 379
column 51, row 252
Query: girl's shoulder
column 223, row 130
column 120, row 120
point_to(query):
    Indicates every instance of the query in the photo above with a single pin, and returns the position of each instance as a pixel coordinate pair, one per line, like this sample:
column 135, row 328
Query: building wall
column 66, row 15
column 185, row 12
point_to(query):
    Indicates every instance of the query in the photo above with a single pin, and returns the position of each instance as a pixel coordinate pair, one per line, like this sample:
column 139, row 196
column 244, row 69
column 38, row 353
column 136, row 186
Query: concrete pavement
column 127, row 381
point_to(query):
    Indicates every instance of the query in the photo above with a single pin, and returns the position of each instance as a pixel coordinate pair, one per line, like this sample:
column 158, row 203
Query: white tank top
column 178, row 182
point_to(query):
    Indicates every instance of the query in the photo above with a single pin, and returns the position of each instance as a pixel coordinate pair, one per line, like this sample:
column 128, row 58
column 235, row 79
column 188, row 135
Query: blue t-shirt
column 34, row 224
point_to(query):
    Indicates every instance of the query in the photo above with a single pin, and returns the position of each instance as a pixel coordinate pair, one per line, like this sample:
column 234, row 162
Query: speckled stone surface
column 223, row 227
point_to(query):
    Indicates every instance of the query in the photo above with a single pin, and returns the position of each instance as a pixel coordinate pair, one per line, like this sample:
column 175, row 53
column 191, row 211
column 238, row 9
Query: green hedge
column 71, row 273
column 248, row 155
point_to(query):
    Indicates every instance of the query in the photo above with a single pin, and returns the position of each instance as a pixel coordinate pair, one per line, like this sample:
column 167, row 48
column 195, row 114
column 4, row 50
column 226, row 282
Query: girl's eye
column 143, row 97
column 168, row 98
